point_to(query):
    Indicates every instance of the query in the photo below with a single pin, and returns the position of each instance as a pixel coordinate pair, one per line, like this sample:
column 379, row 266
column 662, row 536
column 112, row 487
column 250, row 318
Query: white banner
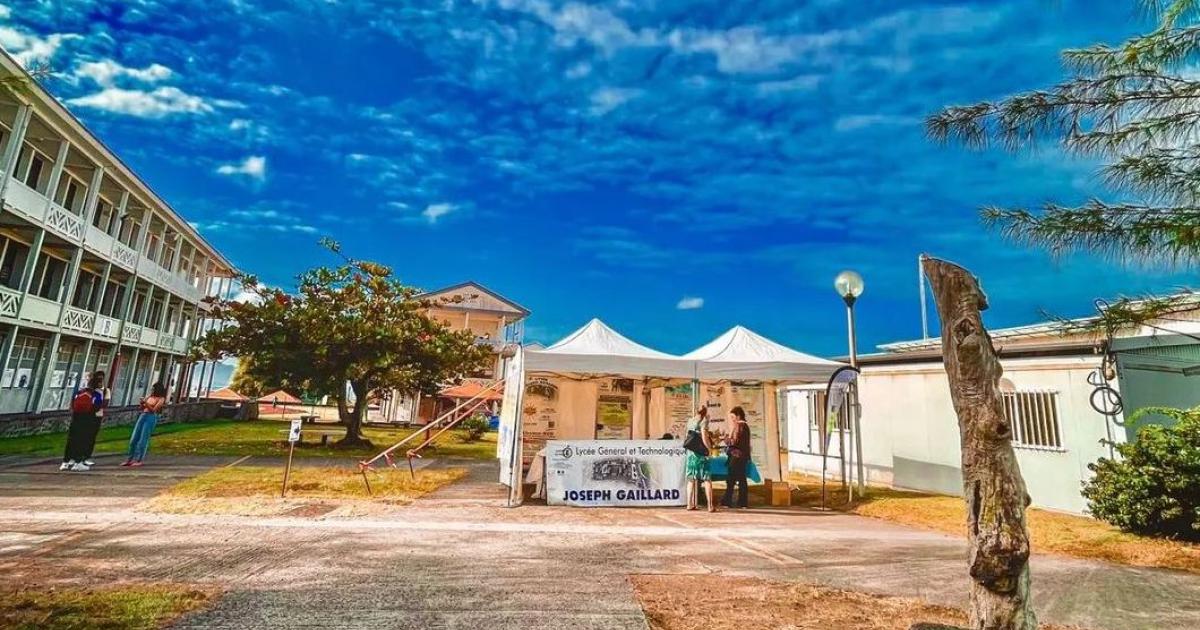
column 508, row 442
column 596, row 473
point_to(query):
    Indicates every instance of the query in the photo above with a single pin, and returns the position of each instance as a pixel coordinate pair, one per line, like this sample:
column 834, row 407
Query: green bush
column 1154, row 487
column 475, row 427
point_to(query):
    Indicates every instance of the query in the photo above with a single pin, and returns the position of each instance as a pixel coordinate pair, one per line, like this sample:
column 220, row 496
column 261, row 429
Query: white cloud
column 158, row 103
column 862, row 121
column 254, row 167
column 435, row 211
column 30, row 49
column 5, row 12
column 606, row 99
column 106, row 72
column 690, row 303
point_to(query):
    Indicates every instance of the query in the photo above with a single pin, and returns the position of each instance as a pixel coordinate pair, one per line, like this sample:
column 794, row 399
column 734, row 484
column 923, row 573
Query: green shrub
column 475, row 427
column 1154, row 487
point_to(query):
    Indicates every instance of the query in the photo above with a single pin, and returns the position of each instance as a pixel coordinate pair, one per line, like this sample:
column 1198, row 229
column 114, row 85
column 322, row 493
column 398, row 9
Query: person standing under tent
column 697, row 465
column 86, row 407
column 739, row 457
column 139, row 442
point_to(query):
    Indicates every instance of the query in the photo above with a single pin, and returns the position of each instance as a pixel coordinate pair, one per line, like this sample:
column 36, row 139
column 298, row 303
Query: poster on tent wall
column 509, row 431
column 614, row 409
column 679, row 408
column 749, row 396
column 714, row 401
column 539, row 415
column 597, row 473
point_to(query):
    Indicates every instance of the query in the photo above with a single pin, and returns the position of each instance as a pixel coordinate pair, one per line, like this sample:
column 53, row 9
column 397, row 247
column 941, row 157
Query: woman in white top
column 697, row 465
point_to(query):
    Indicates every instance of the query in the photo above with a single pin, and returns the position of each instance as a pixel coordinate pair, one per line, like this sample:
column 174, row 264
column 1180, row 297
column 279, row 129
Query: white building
column 96, row 271
column 910, row 431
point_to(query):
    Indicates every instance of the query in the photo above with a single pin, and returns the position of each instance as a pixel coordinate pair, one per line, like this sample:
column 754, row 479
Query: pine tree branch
column 1127, row 233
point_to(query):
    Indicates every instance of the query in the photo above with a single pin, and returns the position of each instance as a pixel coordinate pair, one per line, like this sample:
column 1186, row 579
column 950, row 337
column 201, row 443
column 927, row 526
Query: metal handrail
column 474, row 402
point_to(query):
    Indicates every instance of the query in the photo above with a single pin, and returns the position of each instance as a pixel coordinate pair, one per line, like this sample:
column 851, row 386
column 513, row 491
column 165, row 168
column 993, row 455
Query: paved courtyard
column 459, row 559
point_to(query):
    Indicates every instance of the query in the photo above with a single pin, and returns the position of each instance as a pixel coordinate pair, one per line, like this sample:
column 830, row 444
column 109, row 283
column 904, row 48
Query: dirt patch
column 717, row 602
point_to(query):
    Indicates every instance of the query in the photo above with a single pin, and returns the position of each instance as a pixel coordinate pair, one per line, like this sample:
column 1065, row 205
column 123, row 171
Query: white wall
column 910, row 431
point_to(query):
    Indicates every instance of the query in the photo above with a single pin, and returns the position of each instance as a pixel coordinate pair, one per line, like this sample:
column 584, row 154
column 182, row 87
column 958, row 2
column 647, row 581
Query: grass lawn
column 124, row 607
column 260, row 437
column 254, row 490
column 724, row 602
column 1050, row 532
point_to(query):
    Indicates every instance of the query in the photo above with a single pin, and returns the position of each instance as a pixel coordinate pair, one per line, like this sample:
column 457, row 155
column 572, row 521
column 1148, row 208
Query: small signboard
column 294, row 433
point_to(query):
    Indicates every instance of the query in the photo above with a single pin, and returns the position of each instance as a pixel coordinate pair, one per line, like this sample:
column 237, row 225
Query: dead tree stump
column 992, row 484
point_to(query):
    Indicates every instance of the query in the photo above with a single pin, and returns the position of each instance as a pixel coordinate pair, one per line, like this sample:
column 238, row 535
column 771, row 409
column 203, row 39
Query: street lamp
column 849, row 286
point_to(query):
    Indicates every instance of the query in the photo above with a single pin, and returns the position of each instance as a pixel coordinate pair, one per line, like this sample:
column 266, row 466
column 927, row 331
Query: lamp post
column 849, row 286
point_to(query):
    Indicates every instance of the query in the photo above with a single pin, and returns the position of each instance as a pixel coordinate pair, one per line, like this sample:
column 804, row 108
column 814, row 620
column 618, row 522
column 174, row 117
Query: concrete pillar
column 45, row 368
column 7, row 348
column 56, row 171
column 93, row 197
column 133, row 371
column 12, row 149
column 35, row 250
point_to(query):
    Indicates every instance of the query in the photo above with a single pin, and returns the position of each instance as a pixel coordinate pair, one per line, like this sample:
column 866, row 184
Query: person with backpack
column 698, row 447
column 739, row 456
column 86, row 408
column 139, row 442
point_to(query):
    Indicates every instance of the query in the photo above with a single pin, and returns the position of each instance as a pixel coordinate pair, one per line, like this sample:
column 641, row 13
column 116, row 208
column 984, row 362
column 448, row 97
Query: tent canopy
column 597, row 349
column 741, row 353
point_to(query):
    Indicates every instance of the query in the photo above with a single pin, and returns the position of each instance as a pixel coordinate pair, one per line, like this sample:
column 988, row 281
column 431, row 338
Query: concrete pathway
column 458, row 559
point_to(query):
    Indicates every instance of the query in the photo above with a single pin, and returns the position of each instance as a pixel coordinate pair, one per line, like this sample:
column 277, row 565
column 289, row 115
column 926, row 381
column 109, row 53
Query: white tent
column 597, row 349
column 741, row 353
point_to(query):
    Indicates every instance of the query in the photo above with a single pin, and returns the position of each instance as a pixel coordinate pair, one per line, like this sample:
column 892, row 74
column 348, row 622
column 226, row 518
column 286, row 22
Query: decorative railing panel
column 65, row 223
column 132, row 333
column 124, row 256
column 79, row 319
column 9, row 301
column 149, row 337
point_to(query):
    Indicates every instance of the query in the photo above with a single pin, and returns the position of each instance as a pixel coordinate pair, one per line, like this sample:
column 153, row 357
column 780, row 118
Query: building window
column 22, row 365
column 12, row 262
column 32, row 166
column 817, row 405
column 104, row 216
column 85, row 290
column 1033, row 416
column 48, row 277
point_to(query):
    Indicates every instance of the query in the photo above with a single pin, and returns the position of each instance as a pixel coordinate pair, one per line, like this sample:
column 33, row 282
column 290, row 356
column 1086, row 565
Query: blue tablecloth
column 719, row 467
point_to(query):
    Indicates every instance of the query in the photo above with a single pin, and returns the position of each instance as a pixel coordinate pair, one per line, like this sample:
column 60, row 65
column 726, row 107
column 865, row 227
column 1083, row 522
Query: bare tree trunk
column 354, row 418
column 992, row 483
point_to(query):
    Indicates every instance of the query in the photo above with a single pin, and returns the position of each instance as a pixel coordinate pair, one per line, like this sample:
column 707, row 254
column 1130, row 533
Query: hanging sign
column 835, row 401
column 598, row 473
column 614, row 409
column 749, row 396
column 679, row 408
column 539, row 415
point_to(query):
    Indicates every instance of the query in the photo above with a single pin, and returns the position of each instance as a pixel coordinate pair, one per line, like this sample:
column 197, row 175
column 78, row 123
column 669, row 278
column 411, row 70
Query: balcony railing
column 124, row 256
column 132, row 333
column 25, row 200
column 40, row 310
column 107, row 326
column 9, row 301
column 67, row 225
column 79, row 320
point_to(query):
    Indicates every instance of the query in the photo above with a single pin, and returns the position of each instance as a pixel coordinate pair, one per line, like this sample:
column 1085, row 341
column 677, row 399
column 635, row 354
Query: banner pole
column 287, row 470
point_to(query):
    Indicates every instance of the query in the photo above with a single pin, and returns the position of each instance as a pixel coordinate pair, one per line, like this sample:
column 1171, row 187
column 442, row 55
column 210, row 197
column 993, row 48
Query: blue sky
column 673, row 167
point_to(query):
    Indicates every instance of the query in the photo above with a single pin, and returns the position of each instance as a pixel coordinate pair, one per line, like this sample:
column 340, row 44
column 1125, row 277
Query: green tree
column 351, row 327
column 1132, row 106
column 245, row 380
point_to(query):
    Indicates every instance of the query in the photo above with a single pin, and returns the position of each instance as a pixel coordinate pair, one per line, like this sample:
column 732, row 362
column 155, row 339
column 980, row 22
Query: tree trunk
column 992, row 483
column 354, row 418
